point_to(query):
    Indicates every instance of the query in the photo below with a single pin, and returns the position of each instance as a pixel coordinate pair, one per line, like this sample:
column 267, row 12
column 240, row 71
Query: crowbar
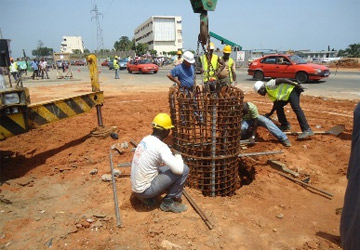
column 336, row 130
column 117, row 212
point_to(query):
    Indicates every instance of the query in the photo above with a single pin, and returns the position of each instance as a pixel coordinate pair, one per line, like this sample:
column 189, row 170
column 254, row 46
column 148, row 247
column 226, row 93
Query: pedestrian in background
column 179, row 58
column 35, row 67
column 43, row 68
column 14, row 69
column 116, row 67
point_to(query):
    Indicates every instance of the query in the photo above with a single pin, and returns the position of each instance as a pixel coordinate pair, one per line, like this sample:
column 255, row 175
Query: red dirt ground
column 50, row 199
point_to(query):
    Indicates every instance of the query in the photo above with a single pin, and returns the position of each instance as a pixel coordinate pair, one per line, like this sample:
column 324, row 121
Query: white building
column 161, row 33
column 71, row 43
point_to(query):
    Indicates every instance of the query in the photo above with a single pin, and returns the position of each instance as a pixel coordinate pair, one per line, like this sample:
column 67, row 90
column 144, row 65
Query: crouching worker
column 149, row 179
column 251, row 120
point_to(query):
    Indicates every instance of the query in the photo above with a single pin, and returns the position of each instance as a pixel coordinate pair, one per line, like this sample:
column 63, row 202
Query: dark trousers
column 294, row 100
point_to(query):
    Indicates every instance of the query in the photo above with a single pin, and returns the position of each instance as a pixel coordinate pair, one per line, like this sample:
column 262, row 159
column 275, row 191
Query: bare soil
column 48, row 198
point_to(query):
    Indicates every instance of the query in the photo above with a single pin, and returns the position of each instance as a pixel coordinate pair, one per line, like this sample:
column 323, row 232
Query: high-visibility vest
column 208, row 72
column 230, row 63
column 281, row 92
column 116, row 64
column 13, row 67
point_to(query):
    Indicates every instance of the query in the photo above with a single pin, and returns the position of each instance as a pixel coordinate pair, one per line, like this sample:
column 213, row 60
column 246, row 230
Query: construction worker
column 14, row 71
column 350, row 215
column 116, row 67
column 149, row 179
column 208, row 71
column 226, row 72
column 281, row 92
column 251, row 120
column 184, row 74
column 179, row 58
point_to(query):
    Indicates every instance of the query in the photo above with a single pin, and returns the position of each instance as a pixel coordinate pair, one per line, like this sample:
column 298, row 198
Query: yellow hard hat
column 227, row 49
column 212, row 46
column 179, row 52
column 162, row 121
column 116, row 57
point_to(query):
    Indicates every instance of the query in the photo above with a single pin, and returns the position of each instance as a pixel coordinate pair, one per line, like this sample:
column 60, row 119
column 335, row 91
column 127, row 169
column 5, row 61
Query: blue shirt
column 34, row 65
column 184, row 74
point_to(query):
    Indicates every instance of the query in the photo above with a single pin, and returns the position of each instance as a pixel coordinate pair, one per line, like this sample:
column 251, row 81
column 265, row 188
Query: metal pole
column 99, row 115
column 117, row 212
column 213, row 147
column 260, row 153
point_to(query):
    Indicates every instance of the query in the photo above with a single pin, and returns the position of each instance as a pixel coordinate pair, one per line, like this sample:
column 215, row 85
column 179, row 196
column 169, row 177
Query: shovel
column 336, row 130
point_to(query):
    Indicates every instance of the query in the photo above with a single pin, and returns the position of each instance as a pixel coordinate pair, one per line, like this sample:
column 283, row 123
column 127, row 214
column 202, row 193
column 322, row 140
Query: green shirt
column 252, row 114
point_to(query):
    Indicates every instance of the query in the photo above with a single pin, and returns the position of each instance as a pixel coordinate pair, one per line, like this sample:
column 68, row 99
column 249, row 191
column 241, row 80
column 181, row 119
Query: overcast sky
column 261, row 24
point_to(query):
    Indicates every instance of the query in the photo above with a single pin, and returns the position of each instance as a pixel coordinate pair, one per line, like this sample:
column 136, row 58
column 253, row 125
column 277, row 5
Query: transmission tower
column 99, row 35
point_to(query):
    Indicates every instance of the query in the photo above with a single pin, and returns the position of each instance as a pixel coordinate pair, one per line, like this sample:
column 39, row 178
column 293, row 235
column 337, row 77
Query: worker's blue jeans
column 166, row 182
column 263, row 122
column 117, row 73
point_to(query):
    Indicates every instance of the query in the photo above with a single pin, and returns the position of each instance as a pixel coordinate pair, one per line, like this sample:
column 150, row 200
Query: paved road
column 340, row 84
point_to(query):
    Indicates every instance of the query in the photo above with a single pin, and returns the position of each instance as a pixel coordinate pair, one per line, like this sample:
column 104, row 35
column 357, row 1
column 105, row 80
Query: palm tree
column 123, row 44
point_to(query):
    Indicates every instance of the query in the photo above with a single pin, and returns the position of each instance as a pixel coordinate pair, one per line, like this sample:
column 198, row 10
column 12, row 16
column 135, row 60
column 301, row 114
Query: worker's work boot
column 305, row 134
column 286, row 143
column 285, row 127
column 168, row 205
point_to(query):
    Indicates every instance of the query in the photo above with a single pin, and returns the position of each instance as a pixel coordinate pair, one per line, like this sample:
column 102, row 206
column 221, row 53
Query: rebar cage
column 207, row 133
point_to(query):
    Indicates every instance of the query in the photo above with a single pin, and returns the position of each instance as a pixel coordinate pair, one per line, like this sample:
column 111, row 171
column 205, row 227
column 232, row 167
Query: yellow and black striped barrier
column 46, row 112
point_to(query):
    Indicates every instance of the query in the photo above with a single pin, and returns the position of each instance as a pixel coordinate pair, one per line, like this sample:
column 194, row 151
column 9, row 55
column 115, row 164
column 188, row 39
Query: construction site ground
column 51, row 197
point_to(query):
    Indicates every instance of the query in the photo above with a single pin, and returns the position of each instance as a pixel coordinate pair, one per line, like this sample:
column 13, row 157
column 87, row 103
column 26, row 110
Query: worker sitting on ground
column 226, row 72
column 283, row 91
column 209, row 66
column 251, row 120
column 149, row 179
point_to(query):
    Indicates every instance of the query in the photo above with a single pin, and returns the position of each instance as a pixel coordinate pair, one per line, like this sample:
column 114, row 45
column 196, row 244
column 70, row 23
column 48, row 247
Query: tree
column 153, row 52
column 76, row 51
column 353, row 50
column 86, row 51
column 123, row 44
column 41, row 50
column 141, row 48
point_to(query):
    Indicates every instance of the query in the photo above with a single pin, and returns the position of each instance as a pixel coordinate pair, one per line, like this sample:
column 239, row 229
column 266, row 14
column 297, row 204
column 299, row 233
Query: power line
column 99, row 35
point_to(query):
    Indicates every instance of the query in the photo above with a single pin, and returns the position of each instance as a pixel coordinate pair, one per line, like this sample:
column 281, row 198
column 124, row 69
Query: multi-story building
column 71, row 43
column 161, row 33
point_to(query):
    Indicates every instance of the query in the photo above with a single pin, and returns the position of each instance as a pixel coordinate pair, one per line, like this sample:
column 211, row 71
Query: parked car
column 79, row 63
column 123, row 63
column 105, row 63
column 142, row 66
column 287, row 66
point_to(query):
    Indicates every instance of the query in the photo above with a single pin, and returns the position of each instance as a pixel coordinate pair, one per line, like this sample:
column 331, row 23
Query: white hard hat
column 258, row 85
column 189, row 57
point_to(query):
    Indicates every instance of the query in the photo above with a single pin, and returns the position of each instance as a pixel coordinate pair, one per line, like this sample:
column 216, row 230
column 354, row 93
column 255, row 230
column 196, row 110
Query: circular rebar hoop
column 207, row 133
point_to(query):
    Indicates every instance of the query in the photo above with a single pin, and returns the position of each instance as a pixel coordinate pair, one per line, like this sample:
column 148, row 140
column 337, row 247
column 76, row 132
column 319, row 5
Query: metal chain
column 206, row 53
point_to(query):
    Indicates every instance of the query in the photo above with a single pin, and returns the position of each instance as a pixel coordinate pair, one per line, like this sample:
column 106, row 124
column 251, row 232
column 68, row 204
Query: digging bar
column 305, row 184
column 117, row 211
column 336, row 130
column 260, row 153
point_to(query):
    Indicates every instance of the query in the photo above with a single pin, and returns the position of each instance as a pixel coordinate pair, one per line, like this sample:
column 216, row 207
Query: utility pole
column 99, row 35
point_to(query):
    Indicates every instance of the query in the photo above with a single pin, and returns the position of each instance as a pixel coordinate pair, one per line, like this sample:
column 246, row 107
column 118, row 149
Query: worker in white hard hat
column 179, row 58
column 226, row 72
column 149, row 178
column 184, row 74
column 209, row 65
column 283, row 91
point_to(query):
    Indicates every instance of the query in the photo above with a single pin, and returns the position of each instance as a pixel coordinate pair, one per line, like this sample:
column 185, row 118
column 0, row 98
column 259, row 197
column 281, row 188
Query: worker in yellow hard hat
column 149, row 179
column 209, row 64
column 116, row 67
column 179, row 58
column 226, row 72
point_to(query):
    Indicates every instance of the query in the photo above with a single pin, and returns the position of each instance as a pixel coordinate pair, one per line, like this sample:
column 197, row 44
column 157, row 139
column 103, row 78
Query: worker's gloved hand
column 300, row 87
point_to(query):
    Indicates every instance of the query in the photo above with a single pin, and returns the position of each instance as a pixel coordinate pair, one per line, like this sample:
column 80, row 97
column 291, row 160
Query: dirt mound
column 346, row 63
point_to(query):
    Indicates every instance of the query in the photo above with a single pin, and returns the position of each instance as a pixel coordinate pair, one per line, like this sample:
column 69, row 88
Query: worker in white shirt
column 149, row 179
